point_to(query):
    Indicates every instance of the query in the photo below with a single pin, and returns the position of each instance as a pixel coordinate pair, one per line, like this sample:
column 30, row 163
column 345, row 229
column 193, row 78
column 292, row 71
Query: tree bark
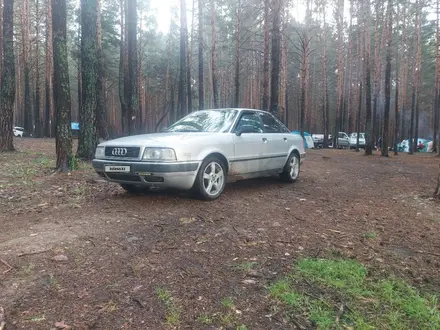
column 38, row 128
column 214, row 57
column 201, row 66
column 436, row 104
column 339, row 13
column 275, row 57
column 265, row 105
column 326, row 112
column 389, row 31
column 28, row 120
column 7, row 79
column 87, row 116
column 183, row 74
column 132, row 65
column 418, row 75
column 396, row 96
column 101, row 110
column 61, row 88
column 237, row 55
column 48, row 121
column 367, row 71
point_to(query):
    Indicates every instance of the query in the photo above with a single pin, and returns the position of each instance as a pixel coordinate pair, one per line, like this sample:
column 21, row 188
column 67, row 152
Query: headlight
column 159, row 154
column 99, row 153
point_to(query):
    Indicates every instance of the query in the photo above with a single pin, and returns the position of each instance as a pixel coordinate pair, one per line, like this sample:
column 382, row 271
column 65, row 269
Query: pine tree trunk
column 396, row 95
column 132, row 99
column 436, row 104
column 326, row 112
column 201, row 66
column 389, row 31
column 418, row 75
column 183, row 74
column 213, row 57
column 87, row 116
column 123, row 75
column 340, row 27
column 28, row 120
column 48, row 121
column 377, row 65
column 7, row 79
column 367, row 70
column 1, row 38
column 265, row 105
column 101, row 110
column 61, row 87
column 237, row 56
column 38, row 129
column 275, row 57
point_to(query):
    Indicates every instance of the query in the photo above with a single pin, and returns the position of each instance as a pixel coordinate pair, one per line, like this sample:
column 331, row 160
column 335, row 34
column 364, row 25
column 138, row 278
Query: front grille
column 122, row 152
column 124, row 177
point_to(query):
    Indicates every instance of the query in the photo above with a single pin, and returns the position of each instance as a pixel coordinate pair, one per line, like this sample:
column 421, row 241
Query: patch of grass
column 228, row 303
column 370, row 235
column 205, row 319
column 348, row 298
column 245, row 266
column 74, row 162
column 172, row 315
column 228, row 317
column 347, row 275
column 27, row 269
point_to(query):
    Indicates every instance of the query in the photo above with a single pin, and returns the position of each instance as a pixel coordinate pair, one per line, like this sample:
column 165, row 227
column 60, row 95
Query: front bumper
column 179, row 175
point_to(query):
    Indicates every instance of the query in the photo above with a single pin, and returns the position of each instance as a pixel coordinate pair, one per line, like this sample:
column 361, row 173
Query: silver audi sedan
column 203, row 151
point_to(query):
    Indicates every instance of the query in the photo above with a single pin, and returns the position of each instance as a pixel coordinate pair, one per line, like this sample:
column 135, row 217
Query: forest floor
column 78, row 252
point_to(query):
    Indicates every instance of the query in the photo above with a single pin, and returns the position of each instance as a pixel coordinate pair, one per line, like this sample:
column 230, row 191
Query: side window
column 250, row 120
column 271, row 125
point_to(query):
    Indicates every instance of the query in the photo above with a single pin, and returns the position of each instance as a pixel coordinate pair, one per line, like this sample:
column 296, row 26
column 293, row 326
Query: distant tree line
column 106, row 65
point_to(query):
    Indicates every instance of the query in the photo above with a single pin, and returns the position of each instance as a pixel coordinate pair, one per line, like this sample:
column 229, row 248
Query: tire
column 291, row 169
column 209, row 185
column 133, row 189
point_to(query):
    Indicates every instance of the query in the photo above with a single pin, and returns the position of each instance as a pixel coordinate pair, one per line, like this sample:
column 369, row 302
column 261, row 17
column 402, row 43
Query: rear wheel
column 291, row 169
column 211, row 179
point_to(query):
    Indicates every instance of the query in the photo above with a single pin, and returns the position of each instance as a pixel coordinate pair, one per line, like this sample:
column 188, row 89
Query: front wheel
column 211, row 179
column 291, row 169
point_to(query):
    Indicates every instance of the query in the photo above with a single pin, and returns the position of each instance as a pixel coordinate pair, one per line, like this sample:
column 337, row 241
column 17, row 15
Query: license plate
column 117, row 169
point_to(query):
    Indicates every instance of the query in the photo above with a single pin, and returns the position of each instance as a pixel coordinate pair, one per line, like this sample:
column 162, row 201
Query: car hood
column 158, row 139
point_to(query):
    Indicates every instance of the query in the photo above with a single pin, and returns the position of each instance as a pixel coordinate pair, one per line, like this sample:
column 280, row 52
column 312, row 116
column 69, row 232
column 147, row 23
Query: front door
column 250, row 149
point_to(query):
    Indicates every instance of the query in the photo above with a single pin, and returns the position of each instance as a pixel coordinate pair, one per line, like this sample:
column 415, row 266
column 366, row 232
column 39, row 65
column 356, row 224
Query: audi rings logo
column 119, row 151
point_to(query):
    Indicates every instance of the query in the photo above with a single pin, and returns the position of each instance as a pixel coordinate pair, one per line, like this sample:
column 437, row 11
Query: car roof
column 238, row 109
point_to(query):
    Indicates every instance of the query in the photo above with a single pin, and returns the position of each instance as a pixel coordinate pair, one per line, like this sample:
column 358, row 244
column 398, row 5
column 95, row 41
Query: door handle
column 285, row 139
column 264, row 140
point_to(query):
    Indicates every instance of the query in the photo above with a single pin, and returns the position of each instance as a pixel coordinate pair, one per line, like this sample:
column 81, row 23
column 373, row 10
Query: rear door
column 250, row 149
column 279, row 142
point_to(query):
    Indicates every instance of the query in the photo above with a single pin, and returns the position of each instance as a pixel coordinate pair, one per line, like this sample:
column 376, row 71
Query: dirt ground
column 77, row 251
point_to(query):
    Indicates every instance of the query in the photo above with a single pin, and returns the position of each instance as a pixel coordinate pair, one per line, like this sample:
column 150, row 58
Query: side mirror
column 245, row 129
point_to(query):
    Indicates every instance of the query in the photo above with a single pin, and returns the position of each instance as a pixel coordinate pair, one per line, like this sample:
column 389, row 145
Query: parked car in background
column 202, row 151
column 18, row 131
column 343, row 140
column 353, row 140
column 318, row 140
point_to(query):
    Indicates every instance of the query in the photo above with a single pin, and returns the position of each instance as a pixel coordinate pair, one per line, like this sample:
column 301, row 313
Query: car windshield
column 205, row 121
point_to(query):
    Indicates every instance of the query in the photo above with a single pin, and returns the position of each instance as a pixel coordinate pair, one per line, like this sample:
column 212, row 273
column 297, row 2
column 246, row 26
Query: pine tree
column 7, row 96
column 61, row 86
